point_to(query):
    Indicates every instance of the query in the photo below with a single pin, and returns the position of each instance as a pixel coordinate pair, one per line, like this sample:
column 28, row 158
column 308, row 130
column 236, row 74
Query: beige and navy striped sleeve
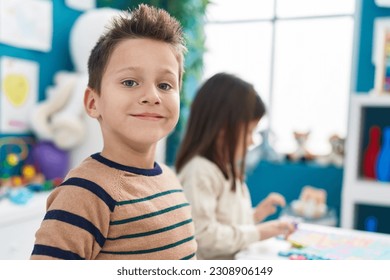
column 76, row 223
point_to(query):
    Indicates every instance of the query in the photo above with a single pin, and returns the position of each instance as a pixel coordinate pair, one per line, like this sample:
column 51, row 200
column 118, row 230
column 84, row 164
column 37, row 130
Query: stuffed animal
column 65, row 133
column 301, row 153
column 336, row 155
column 311, row 203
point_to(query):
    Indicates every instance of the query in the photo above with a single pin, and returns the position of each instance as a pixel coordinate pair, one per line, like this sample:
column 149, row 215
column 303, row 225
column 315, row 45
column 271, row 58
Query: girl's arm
column 268, row 206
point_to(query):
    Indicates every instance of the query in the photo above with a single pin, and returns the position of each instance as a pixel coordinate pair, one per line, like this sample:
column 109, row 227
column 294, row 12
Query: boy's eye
column 164, row 86
column 129, row 83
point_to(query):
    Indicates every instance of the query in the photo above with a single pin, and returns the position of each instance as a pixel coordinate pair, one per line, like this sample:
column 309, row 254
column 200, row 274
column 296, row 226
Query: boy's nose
column 151, row 96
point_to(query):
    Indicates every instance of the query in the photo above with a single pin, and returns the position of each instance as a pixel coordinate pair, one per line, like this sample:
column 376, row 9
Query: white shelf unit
column 356, row 189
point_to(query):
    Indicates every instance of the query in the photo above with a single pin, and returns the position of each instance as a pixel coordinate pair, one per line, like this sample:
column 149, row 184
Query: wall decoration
column 381, row 55
column 81, row 5
column 27, row 23
column 18, row 93
column 383, row 3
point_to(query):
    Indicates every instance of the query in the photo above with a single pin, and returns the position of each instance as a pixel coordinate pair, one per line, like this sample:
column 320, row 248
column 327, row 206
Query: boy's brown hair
column 144, row 22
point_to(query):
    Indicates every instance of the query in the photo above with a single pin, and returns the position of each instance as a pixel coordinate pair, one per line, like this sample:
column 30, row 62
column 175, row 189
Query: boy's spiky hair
column 143, row 22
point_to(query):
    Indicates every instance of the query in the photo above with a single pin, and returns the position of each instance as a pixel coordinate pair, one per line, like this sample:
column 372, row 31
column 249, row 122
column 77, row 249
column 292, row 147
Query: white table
column 269, row 249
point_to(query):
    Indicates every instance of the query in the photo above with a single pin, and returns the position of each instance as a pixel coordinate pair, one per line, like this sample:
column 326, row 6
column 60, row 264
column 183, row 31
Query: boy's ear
column 90, row 103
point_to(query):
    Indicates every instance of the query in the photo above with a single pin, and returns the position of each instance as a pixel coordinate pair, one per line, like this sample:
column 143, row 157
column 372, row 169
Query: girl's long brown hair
column 223, row 103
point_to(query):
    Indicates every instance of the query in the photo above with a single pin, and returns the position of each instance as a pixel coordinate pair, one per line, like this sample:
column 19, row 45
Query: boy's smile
column 139, row 99
column 148, row 116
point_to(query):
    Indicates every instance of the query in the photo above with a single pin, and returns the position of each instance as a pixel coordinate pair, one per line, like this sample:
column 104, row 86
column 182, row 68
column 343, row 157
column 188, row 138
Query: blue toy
column 383, row 161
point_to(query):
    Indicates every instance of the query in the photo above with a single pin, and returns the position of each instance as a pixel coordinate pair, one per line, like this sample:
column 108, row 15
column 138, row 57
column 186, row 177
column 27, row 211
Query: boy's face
column 139, row 98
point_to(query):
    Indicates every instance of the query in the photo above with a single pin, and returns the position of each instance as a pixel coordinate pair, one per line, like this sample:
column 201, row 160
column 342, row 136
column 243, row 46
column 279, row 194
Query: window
column 297, row 54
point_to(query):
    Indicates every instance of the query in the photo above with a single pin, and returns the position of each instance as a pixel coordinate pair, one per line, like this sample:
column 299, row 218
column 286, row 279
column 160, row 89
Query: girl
column 211, row 168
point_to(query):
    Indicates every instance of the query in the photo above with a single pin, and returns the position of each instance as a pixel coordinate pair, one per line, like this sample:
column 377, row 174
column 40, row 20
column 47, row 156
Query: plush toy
column 47, row 125
column 61, row 117
column 311, row 203
column 301, row 153
column 336, row 155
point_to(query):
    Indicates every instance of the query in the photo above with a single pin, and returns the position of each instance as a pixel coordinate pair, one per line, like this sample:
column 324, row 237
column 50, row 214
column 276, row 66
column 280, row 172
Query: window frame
column 273, row 21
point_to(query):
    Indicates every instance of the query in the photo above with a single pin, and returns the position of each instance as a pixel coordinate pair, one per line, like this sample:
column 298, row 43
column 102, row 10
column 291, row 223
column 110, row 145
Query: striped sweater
column 105, row 210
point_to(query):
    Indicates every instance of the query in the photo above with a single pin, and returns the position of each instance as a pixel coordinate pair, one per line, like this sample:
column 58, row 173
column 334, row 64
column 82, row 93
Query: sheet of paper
column 81, row 5
column 383, row 3
column 18, row 94
column 27, row 24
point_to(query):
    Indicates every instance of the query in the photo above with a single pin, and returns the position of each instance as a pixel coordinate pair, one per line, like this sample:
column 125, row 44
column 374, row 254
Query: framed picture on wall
column 383, row 3
column 381, row 55
column 18, row 94
column 27, row 24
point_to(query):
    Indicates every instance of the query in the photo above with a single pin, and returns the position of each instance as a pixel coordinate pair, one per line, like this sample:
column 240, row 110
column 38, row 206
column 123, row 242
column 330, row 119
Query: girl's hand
column 268, row 206
column 274, row 228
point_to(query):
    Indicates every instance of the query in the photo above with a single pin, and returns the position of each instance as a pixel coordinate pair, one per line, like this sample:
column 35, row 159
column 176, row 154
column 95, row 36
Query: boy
column 120, row 204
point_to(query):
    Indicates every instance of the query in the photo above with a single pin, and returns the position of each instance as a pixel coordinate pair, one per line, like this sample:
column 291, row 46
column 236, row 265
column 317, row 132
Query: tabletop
column 321, row 242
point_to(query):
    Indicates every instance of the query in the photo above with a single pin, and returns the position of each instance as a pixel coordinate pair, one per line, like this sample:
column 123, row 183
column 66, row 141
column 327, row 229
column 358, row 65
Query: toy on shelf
column 24, row 161
column 19, row 195
column 29, row 172
column 13, row 152
column 20, row 176
column 311, row 203
column 371, row 152
column 51, row 161
column 23, row 193
column 16, row 149
column 301, row 153
column 383, row 161
column 336, row 155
